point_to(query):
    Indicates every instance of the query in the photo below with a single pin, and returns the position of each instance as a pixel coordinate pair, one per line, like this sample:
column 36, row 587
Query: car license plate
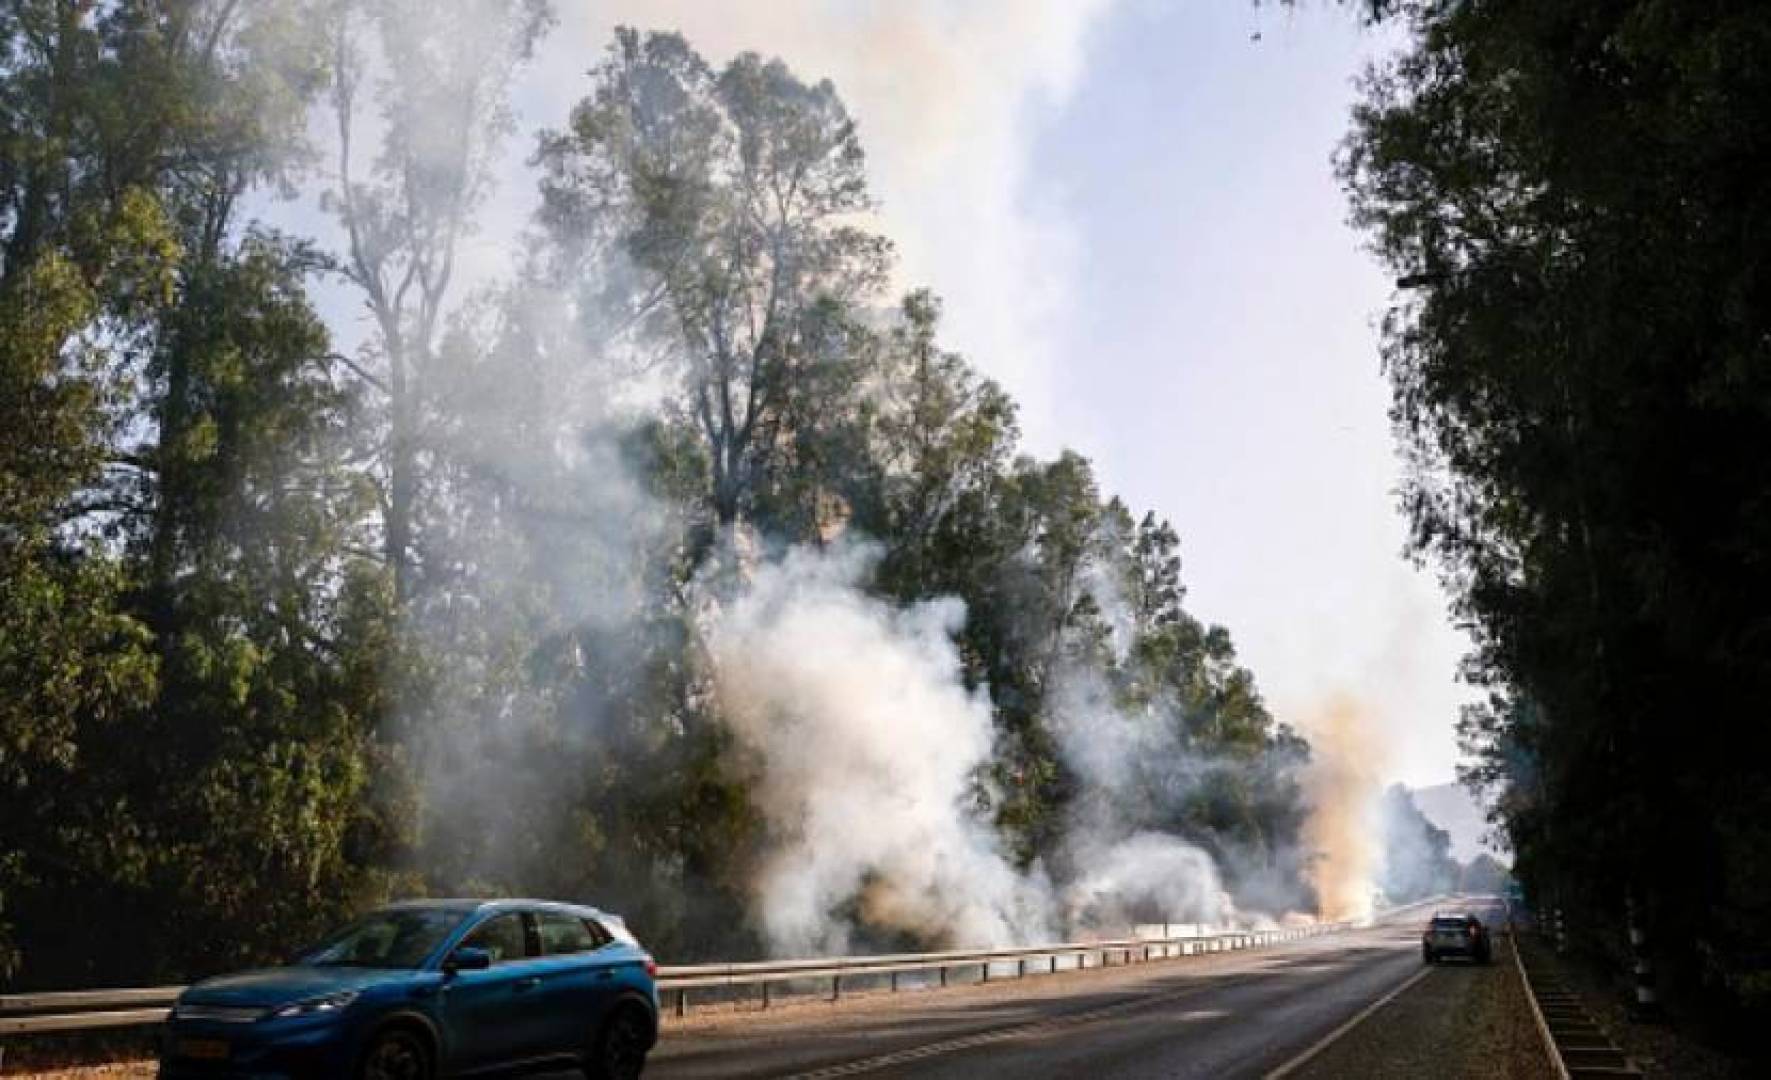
column 203, row 1049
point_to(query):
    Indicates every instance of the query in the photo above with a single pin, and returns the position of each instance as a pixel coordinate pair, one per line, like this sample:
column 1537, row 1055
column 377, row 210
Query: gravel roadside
column 1461, row 1022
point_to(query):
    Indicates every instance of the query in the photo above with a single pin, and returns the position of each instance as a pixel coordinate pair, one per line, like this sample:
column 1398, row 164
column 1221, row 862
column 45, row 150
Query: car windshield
column 398, row 938
column 1450, row 924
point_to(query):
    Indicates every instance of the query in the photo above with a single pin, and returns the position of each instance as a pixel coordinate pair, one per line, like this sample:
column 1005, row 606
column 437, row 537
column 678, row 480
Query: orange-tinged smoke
column 1343, row 786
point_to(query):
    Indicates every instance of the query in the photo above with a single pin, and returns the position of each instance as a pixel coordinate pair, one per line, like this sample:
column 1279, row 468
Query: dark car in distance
column 428, row 989
column 1455, row 934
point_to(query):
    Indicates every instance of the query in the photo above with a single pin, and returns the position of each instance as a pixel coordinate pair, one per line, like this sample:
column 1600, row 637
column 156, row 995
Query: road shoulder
column 1462, row 1022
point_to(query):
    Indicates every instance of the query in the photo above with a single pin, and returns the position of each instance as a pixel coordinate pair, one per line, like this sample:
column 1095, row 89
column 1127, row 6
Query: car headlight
column 317, row 1006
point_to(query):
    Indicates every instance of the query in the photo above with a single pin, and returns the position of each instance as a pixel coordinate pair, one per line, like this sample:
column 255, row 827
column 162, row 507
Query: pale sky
column 1129, row 208
column 1219, row 358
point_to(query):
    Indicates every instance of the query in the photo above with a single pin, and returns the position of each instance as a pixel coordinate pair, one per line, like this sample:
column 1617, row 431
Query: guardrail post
column 1021, row 967
column 986, row 977
column 765, row 993
column 836, row 987
column 682, row 1002
column 1647, row 999
column 1054, row 963
column 894, row 982
column 943, row 975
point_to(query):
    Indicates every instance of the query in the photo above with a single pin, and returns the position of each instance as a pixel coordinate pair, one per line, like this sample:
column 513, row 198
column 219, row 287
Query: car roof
column 467, row 905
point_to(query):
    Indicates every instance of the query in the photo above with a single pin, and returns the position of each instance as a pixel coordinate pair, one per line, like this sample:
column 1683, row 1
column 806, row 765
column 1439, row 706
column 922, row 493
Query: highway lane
column 1231, row 1015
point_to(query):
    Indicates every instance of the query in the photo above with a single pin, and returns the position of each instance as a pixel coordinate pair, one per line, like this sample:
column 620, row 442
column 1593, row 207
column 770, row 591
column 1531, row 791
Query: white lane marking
column 1329, row 1040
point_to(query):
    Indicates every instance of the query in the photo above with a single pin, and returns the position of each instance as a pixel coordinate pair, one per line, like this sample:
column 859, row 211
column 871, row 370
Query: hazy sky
column 1129, row 208
column 1219, row 360
column 1219, row 357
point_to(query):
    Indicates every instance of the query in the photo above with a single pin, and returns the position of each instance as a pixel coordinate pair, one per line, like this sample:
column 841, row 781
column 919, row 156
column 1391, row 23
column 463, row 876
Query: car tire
column 396, row 1054
column 1428, row 958
column 619, row 1050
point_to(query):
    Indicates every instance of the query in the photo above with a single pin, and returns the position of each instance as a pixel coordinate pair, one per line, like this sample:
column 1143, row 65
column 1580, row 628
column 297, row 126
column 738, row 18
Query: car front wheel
column 619, row 1052
column 395, row 1055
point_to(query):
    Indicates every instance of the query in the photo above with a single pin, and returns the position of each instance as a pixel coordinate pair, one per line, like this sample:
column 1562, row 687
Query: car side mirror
column 467, row 958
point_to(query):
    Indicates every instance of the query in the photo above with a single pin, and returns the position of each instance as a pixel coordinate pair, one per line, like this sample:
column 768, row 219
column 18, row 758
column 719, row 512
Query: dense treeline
column 1579, row 197
column 294, row 621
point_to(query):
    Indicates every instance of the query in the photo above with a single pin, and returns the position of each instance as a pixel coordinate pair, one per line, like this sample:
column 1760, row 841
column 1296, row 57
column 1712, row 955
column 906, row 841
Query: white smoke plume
column 869, row 747
column 1147, row 877
column 1134, row 768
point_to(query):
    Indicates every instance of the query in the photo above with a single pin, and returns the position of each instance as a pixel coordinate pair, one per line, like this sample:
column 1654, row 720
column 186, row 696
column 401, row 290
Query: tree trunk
column 402, row 483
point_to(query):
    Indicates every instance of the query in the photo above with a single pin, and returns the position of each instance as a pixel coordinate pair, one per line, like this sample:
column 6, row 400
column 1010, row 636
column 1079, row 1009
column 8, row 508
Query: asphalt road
column 1232, row 1015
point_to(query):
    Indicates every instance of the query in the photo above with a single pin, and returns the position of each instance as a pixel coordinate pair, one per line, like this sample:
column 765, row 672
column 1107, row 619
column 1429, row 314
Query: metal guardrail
column 1573, row 1041
column 678, row 981
column 86, row 1010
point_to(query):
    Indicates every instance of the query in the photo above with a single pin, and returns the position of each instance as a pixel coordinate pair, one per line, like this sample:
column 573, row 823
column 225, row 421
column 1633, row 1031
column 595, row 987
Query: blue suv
column 427, row 989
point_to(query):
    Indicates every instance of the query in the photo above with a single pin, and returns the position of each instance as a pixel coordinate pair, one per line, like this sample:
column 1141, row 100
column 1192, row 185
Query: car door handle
column 605, row 973
column 529, row 983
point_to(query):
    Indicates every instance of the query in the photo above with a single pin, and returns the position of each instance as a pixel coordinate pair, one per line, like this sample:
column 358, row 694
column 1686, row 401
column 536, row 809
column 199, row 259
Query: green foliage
column 732, row 196
column 1582, row 384
column 76, row 670
column 176, row 522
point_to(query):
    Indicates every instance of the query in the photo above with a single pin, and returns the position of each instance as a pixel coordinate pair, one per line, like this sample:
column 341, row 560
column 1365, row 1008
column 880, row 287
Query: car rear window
column 562, row 933
column 1450, row 924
